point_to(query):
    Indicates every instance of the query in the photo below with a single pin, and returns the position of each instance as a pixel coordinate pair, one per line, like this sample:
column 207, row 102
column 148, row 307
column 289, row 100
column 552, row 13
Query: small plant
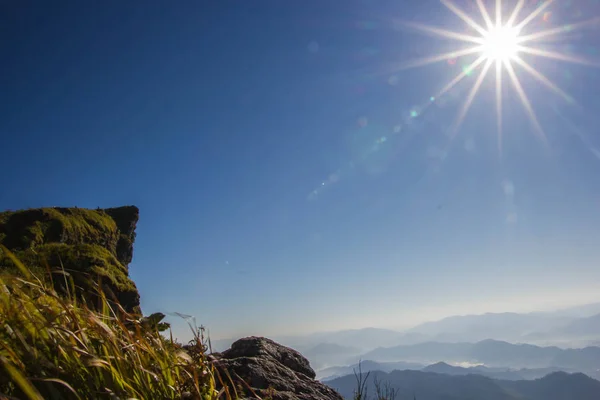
column 385, row 392
column 382, row 391
column 361, row 383
column 269, row 393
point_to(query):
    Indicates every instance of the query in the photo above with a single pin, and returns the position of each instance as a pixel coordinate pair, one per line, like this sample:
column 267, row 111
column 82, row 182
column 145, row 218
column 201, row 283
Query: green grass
column 81, row 242
column 56, row 347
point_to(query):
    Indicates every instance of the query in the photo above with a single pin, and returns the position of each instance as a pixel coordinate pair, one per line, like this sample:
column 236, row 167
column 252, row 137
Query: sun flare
column 501, row 43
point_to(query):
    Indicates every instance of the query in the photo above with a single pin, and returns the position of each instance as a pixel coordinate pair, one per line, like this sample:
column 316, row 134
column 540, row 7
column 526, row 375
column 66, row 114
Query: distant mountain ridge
column 495, row 373
column 493, row 353
column 366, row 366
column 435, row 386
column 584, row 326
column 574, row 327
column 441, row 367
column 513, row 327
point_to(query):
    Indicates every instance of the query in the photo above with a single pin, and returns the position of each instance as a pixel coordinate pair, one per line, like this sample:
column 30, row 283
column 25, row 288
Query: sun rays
column 501, row 41
column 499, row 45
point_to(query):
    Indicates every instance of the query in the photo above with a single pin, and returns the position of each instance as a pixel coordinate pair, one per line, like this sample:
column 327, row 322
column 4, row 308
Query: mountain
column 365, row 366
column 434, row 386
column 569, row 327
column 557, row 386
column 589, row 326
column 493, row 353
column 574, row 327
column 443, row 368
column 440, row 368
column 581, row 311
column 324, row 355
column 500, row 326
column 578, row 332
column 426, row 386
column 495, row 373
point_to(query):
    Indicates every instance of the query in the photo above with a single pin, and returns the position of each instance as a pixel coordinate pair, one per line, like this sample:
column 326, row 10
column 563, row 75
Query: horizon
column 304, row 167
column 398, row 329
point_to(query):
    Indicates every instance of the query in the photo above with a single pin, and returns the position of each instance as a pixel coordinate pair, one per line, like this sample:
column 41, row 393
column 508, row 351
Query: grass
column 80, row 241
column 56, row 347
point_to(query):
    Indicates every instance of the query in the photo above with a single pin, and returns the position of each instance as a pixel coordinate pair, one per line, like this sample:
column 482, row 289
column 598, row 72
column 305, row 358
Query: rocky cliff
column 260, row 367
column 89, row 245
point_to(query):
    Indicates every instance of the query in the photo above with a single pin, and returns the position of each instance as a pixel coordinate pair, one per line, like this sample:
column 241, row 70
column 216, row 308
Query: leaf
column 184, row 356
column 22, row 382
column 24, row 270
column 61, row 382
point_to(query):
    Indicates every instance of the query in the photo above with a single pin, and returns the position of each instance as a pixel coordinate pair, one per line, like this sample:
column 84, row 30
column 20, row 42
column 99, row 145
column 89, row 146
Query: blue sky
column 288, row 178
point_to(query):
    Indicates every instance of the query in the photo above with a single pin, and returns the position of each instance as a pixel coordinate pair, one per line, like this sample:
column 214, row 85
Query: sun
column 501, row 43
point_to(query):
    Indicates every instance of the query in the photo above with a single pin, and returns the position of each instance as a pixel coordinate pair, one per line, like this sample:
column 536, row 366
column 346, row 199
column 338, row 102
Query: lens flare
column 499, row 43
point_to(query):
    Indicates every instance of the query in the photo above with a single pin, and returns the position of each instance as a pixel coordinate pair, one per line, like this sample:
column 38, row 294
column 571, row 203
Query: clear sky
column 291, row 174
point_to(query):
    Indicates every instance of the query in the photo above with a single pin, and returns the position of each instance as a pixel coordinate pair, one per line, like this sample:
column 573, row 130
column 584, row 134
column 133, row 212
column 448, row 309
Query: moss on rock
column 90, row 245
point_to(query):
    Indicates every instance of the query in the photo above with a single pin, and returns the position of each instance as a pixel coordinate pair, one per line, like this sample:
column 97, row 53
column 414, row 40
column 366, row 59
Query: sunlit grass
column 56, row 347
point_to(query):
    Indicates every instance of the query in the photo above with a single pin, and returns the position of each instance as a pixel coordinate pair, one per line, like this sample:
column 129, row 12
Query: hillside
column 435, row 386
column 428, row 386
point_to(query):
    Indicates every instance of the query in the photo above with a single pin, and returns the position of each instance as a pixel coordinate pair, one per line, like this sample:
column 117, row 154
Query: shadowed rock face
column 126, row 219
column 91, row 245
column 271, row 369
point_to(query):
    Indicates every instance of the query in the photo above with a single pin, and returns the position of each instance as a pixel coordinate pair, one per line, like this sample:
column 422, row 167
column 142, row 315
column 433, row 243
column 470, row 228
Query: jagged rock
column 126, row 219
column 271, row 371
column 89, row 245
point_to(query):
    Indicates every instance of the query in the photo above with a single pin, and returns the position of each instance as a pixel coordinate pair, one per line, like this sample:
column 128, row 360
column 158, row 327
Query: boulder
column 258, row 366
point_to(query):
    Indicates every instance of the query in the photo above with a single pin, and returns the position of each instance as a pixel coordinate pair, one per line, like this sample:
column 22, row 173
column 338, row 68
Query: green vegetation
column 86, row 244
column 56, row 347
column 84, row 258
column 30, row 228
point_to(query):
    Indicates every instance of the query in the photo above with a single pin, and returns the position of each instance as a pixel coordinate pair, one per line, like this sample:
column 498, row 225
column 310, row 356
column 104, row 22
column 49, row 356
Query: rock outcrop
column 89, row 245
column 93, row 246
column 259, row 366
